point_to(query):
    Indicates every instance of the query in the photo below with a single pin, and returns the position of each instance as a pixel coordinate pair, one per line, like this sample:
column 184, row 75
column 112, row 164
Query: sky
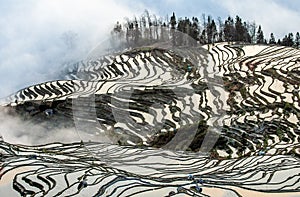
column 277, row 16
column 35, row 35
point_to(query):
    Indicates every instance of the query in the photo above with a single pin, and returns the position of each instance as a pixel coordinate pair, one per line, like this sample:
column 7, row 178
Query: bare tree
column 69, row 38
column 221, row 30
column 149, row 23
column 252, row 31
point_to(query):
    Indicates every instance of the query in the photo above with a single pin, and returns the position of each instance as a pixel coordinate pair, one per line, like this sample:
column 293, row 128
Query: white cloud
column 31, row 44
column 15, row 130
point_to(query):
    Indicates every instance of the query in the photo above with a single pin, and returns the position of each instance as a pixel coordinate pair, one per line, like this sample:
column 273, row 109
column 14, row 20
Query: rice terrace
column 166, row 110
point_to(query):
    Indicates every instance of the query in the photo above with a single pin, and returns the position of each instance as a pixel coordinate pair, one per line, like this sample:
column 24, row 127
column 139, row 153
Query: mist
column 14, row 129
column 39, row 38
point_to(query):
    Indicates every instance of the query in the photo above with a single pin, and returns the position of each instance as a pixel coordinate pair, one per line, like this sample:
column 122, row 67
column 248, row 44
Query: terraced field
column 218, row 120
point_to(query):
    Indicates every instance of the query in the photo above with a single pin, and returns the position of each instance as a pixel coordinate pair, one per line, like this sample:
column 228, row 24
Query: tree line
column 149, row 28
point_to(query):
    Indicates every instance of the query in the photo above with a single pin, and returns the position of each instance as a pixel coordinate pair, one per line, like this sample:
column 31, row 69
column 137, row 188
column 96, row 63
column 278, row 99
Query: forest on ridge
column 149, row 28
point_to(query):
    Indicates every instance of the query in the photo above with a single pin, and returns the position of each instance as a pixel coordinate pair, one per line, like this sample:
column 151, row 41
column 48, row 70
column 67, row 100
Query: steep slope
column 228, row 114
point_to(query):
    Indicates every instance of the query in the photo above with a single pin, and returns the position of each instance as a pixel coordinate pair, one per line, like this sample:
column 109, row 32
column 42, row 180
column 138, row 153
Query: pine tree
column 181, row 27
column 211, row 30
column 147, row 30
column 203, row 39
column 208, row 30
column 285, row 41
column 290, row 40
column 246, row 34
column 173, row 24
column 173, row 21
column 129, row 33
column 272, row 39
column 195, row 28
column 260, row 36
column 279, row 42
column 137, row 34
column 229, row 30
column 297, row 40
column 239, row 33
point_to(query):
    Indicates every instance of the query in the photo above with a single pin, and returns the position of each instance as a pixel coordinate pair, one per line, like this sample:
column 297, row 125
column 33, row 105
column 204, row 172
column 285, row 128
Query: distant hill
column 160, row 120
column 155, row 96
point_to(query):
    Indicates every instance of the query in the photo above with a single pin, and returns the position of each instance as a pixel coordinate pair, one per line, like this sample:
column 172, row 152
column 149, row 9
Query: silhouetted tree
column 211, row 30
column 285, row 41
column 229, row 29
column 173, row 24
column 272, row 39
column 148, row 29
column 288, row 40
column 203, row 39
column 181, row 27
column 260, row 36
column 195, row 28
column 137, row 34
column 297, row 40
column 239, row 29
column 279, row 42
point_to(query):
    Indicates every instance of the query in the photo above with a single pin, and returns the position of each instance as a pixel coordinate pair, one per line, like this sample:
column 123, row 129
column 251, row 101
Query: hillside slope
column 228, row 114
